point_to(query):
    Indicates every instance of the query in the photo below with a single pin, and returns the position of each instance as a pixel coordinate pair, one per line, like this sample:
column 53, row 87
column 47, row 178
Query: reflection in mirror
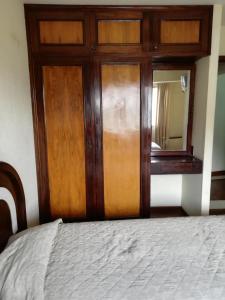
column 170, row 105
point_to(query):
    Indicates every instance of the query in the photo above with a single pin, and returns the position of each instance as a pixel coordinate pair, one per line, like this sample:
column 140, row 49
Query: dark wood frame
column 92, row 54
column 192, row 69
column 222, row 58
column 218, row 173
column 5, row 224
column 175, row 165
column 10, row 180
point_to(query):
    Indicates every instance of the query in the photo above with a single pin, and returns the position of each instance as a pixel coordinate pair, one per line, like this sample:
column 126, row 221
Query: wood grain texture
column 180, row 31
column 121, row 139
column 64, row 119
column 119, row 31
column 61, row 32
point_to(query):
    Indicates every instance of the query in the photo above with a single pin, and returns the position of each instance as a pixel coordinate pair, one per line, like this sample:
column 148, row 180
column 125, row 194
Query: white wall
column 192, row 184
column 166, row 190
column 218, row 163
column 219, row 129
column 222, row 39
column 16, row 133
column 196, row 188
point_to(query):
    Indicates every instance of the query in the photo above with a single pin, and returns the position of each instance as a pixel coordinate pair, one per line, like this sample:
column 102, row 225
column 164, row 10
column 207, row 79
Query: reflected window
column 170, row 105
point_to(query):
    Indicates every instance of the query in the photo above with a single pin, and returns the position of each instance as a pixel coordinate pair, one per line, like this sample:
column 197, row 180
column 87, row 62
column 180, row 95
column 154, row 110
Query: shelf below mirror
column 175, row 165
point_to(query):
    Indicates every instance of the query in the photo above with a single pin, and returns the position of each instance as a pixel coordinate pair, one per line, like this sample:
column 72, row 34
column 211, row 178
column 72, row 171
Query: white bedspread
column 24, row 262
column 176, row 258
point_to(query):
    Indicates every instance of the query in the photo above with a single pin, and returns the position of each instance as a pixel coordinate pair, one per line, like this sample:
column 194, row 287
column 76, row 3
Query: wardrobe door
column 65, row 140
column 121, row 127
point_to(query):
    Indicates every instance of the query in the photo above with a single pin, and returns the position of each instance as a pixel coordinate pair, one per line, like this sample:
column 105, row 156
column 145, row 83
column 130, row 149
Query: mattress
column 174, row 258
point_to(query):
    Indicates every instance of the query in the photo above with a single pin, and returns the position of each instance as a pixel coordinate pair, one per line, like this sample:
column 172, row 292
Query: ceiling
column 131, row 2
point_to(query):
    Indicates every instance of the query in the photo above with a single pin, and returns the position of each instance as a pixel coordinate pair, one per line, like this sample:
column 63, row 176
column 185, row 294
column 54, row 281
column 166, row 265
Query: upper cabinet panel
column 119, row 32
column 183, row 32
column 158, row 31
column 54, row 30
column 61, row 32
column 180, row 32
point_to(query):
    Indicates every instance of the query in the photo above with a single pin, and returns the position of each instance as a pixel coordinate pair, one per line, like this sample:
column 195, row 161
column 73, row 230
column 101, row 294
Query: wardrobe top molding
column 108, row 7
column 138, row 31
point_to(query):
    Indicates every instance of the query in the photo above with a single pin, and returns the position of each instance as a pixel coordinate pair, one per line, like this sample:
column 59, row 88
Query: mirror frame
column 178, row 66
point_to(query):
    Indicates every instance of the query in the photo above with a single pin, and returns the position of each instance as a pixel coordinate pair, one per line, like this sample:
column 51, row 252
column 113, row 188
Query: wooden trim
column 89, row 143
column 167, row 211
column 178, row 66
column 10, row 180
column 217, row 212
column 41, row 146
column 109, row 7
column 218, row 173
column 5, row 224
column 222, row 58
column 146, row 112
column 98, row 136
column 175, row 165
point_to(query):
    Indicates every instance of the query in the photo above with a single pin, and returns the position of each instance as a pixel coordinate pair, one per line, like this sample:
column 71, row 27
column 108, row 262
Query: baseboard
column 217, row 212
column 218, row 173
column 167, row 211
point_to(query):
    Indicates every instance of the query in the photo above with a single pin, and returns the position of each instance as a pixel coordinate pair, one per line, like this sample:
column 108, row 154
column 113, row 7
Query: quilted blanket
column 174, row 258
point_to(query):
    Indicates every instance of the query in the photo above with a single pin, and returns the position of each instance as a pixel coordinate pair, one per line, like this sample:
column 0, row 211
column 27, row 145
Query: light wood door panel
column 61, row 32
column 121, row 139
column 64, row 121
column 119, row 31
column 180, row 31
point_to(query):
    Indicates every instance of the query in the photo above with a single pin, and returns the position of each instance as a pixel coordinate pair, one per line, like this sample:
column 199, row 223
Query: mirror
column 170, row 109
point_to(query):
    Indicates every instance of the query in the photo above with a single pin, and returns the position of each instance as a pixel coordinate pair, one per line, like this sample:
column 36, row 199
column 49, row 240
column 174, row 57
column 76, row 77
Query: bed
column 174, row 258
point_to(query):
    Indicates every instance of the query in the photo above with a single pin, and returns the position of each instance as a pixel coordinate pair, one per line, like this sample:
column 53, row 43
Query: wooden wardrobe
column 91, row 80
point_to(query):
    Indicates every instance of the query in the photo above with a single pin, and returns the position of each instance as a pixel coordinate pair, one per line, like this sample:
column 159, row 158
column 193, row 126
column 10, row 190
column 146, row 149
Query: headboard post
column 10, row 180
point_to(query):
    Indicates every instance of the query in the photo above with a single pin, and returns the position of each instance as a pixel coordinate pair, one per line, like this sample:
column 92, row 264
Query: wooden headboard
column 10, row 180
